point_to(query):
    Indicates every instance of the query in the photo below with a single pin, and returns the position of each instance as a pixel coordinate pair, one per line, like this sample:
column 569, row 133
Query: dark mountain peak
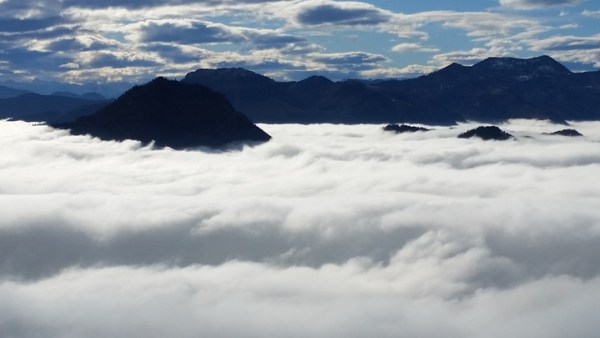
column 454, row 66
column 239, row 75
column 453, row 73
column 170, row 113
column 160, row 81
column 404, row 128
column 316, row 80
column 522, row 69
column 567, row 132
column 487, row 133
column 452, row 69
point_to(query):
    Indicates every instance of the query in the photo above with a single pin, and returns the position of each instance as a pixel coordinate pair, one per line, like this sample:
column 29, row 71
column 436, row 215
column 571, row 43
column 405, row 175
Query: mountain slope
column 171, row 114
column 493, row 90
column 502, row 88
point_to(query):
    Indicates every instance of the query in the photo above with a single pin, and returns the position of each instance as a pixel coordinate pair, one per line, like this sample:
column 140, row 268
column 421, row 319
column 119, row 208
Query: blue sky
column 79, row 41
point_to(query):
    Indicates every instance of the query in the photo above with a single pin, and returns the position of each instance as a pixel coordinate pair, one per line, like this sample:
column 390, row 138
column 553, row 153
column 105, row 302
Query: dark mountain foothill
column 487, row 133
column 404, row 128
column 172, row 114
column 566, row 132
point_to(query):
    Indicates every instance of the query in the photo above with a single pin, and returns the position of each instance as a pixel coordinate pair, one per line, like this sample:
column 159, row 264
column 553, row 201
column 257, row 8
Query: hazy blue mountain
column 48, row 108
column 172, row 114
column 7, row 92
column 493, row 90
column 109, row 90
column 87, row 96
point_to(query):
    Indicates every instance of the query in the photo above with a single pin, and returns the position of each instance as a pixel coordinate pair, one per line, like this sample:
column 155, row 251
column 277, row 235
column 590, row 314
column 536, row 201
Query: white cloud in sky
column 62, row 34
column 325, row 231
column 533, row 4
column 591, row 13
column 413, row 47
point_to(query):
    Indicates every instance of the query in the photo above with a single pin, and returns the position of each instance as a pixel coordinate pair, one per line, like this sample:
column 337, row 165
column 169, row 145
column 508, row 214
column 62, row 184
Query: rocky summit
column 487, row 133
column 404, row 128
column 567, row 132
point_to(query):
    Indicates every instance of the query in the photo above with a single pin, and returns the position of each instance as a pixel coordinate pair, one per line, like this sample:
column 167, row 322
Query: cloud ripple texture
column 325, row 231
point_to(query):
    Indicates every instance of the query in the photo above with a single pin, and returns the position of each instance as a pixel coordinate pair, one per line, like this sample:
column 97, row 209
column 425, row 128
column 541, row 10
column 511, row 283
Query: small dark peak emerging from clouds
column 170, row 113
column 404, row 128
column 487, row 133
column 567, row 132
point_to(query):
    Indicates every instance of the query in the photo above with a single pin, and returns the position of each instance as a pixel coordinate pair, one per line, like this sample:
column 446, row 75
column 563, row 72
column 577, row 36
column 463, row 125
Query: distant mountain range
column 169, row 113
column 109, row 90
column 490, row 91
column 7, row 92
column 493, row 90
column 50, row 108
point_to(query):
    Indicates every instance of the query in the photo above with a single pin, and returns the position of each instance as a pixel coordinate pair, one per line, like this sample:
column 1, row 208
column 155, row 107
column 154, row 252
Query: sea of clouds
column 325, row 231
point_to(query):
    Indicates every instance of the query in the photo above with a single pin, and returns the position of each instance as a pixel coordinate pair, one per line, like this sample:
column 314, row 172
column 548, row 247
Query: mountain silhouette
column 493, row 90
column 313, row 100
column 487, row 133
column 566, row 132
column 404, row 128
column 169, row 113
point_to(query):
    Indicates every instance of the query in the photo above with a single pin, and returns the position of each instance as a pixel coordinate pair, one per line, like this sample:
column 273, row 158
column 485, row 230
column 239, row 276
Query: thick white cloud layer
column 325, row 231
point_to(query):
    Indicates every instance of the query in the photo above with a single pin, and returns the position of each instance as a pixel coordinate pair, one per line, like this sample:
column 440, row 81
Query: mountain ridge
column 492, row 90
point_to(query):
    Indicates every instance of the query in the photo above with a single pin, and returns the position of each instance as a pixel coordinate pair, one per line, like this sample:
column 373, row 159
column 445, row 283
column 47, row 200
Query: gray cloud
column 384, row 233
column 100, row 60
column 197, row 32
column 206, row 32
column 175, row 53
column 351, row 62
column 12, row 25
column 567, row 43
column 337, row 14
column 273, row 40
column 68, row 44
